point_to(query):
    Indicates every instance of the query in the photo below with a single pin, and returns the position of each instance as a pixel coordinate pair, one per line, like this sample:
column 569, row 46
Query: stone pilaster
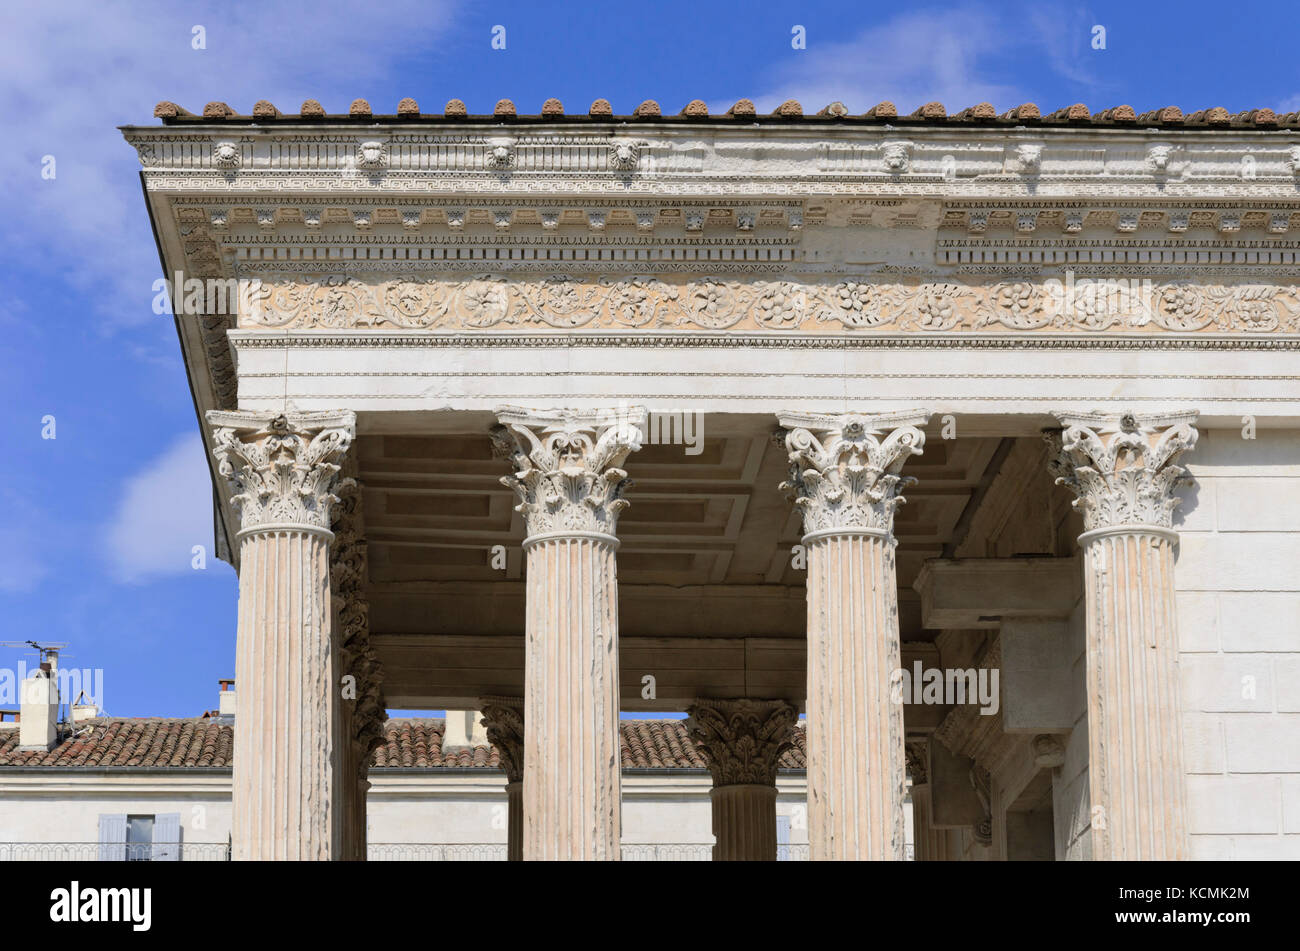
column 503, row 718
column 363, row 706
column 741, row 740
column 845, row 475
column 567, row 476
column 283, row 472
column 1123, row 472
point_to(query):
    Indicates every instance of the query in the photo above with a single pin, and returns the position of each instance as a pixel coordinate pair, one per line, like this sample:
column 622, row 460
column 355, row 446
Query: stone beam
column 984, row 592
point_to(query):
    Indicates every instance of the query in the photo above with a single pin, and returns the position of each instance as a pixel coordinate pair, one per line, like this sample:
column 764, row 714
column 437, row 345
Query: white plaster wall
column 58, row 807
column 403, row 807
column 1238, row 582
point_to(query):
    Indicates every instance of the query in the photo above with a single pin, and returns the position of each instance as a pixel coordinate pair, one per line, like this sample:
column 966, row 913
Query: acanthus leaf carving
column 1122, row 468
column 742, row 740
column 566, row 463
column 349, row 573
column 503, row 718
column 646, row 301
column 843, row 474
column 283, row 471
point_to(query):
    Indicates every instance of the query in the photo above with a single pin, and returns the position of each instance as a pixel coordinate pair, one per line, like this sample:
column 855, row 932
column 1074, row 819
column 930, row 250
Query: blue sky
column 99, row 523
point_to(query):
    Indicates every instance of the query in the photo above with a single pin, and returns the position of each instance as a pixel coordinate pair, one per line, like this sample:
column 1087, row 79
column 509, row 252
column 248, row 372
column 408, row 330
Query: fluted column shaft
column 846, row 480
column 287, row 741
column 571, row 746
column 744, row 823
column 1123, row 473
column 1134, row 725
column 856, row 744
column 570, row 489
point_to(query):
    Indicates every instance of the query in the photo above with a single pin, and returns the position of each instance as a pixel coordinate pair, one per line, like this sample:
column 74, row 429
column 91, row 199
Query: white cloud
column 911, row 59
column 71, row 72
column 165, row 510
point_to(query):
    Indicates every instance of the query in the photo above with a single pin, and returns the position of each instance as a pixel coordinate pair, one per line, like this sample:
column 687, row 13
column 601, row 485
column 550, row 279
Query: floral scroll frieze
column 571, row 302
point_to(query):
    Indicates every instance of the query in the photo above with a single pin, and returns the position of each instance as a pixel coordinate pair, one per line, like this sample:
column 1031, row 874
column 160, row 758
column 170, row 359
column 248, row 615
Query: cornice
column 810, row 160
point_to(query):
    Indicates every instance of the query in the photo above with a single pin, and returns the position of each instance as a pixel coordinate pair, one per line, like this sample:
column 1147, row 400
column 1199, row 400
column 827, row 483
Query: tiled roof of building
column 144, row 742
column 156, row 742
column 744, row 111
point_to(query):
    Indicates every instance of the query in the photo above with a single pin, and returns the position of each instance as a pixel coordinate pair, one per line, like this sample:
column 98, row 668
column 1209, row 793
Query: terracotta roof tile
column 982, row 114
column 145, row 742
column 156, row 742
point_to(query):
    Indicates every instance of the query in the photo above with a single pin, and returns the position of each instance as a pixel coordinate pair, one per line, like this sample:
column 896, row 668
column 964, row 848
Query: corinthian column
column 741, row 741
column 283, row 472
column 844, row 473
column 363, row 705
column 570, row 487
column 503, row 718
column 1122, row 470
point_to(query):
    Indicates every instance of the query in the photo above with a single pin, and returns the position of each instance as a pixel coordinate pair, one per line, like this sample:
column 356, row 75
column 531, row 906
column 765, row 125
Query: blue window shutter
column 112, row 838
column 783, row 838
column 167, row 837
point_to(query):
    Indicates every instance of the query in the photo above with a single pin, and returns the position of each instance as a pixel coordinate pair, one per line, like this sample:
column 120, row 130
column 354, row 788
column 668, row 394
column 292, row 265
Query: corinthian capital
column 844, row 470
column 283, row 470
column 741, row 740
column 503, row 718
column 566, row 464
column 1122, row 468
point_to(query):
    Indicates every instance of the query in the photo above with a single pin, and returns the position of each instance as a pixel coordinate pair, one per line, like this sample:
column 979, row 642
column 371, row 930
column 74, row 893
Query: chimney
column 464, row 730
column 226, row 698
column 39, row 706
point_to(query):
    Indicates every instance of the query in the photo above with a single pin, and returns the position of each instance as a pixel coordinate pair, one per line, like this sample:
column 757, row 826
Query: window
column 140, row 838
column 783, row 838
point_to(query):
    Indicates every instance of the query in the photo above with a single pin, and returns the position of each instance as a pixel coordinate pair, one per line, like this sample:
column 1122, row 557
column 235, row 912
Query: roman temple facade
column 561, row 415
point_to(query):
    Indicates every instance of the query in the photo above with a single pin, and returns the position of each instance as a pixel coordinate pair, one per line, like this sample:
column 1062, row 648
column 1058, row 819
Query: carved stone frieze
column 742, row 740
column 843, row 474
column 283, row 470
column 623, row 156
column 656, row 302
column 1122, row 468
column 566, row 466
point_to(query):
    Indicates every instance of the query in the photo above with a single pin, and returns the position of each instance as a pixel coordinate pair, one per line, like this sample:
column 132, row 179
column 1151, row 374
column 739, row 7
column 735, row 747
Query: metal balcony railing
column 376, row 852
column 114, row 852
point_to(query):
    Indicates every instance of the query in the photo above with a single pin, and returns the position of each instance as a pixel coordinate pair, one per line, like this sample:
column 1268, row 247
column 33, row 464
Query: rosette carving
column 742, row 740
column 568, row 301
column 566, row 463
column 845, row 470
column 1122, row 469
column 282, row 470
